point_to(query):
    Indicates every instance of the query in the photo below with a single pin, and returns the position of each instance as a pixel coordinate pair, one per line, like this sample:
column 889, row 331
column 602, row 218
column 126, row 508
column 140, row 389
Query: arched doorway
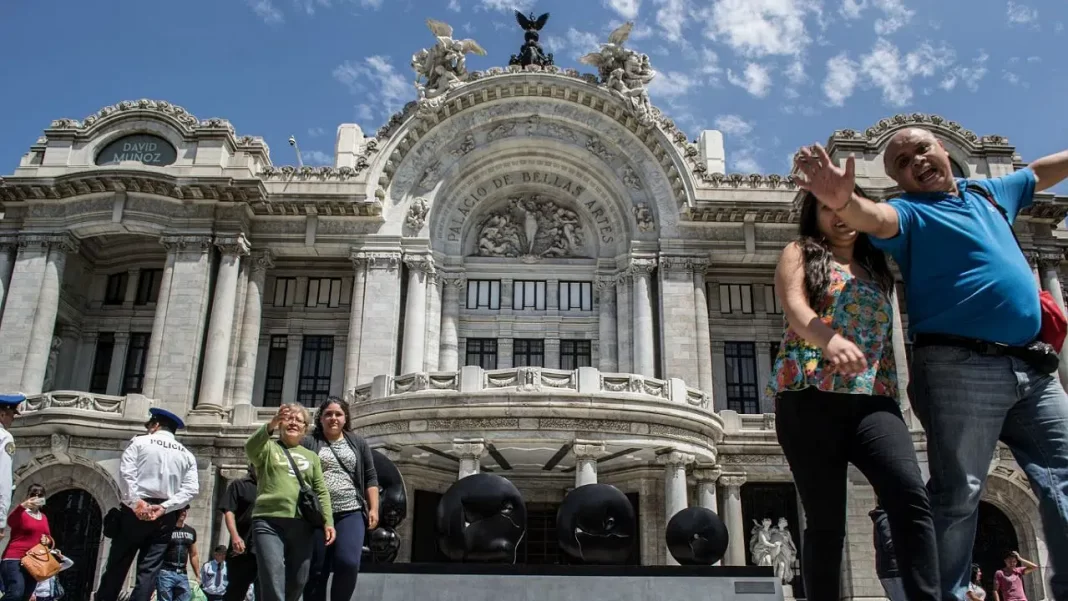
column 993, row 536
column 76, row 522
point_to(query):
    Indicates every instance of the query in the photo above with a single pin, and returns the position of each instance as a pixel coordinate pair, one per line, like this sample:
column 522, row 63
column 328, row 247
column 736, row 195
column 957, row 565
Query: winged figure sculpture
column 530, row 23
column 441, row 66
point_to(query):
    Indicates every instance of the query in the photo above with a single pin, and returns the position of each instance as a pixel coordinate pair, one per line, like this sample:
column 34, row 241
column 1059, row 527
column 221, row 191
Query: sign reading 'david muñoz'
column 143, row 148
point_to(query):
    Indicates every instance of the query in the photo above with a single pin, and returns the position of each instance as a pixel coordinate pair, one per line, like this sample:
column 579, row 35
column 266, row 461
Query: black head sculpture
column 596, row 525
column 481, row 518
column 392, row 498
column 696, row 536
column 382, row 546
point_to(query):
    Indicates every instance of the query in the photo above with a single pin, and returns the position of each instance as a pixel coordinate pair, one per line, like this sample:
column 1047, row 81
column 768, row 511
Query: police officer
column 9, row 408
column 158, row 478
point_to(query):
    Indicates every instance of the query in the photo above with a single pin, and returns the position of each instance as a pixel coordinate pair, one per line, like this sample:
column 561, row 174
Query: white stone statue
column 783, row 563
column 417, row 213
column 625, row 72
column 50, row 367
column 643, row 216
column 531, row 227
column 439, row 68
column 761, row 547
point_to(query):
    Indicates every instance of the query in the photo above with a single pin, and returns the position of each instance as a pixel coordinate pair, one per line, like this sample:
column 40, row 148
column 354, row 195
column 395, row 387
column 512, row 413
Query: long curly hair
column 817, row 257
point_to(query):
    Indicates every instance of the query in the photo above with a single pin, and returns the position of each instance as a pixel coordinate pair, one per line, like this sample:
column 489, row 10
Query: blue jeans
column 172, row 585
column 342, row 558
column 967, row 402
column 18, row 585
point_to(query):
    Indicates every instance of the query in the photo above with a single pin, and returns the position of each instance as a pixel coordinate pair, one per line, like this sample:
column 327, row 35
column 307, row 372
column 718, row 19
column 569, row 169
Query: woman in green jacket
column 282, row 539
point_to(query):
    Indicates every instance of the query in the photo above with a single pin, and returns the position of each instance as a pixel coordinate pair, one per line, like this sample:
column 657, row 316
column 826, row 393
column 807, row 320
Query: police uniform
column 7, row 455
column 158, row 470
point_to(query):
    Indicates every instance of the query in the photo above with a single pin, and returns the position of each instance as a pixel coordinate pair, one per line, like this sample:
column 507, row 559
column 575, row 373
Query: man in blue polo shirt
column 973, row 312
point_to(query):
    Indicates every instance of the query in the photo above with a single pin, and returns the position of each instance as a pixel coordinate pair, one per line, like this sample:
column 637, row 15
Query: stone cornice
column 144, row 181
column 319, row 206
column 876, row 136
column 736, row 212
column 63, row 242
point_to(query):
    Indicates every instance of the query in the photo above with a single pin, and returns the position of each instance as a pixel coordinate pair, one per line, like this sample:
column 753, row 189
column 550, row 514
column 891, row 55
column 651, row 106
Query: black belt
column 155, row 501
column 982, row 347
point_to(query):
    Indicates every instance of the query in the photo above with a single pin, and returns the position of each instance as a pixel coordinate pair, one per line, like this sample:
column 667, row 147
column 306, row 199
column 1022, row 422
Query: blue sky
column 771, row 74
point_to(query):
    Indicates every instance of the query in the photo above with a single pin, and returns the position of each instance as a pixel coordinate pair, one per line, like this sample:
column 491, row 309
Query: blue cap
column 163, row 413
column 12, row 400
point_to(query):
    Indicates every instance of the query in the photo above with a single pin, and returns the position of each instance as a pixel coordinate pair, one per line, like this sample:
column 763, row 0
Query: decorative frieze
column 186, row 243
column 387, row 260
column 63, row 242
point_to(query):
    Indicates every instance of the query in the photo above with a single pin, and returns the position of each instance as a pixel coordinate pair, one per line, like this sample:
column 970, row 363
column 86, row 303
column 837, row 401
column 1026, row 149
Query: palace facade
column 525, row 278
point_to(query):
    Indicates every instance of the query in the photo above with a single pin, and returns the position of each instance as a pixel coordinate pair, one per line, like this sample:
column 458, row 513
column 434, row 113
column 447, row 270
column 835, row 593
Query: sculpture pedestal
column 495, row 582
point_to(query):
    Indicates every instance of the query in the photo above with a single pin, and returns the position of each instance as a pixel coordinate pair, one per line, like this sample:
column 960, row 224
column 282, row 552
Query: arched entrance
column 76, row 522
column 993, row 536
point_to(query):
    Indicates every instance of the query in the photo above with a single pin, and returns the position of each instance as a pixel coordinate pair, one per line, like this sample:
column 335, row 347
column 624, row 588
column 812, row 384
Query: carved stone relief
column 417, row 213
column 531, row 227
column 643, row 216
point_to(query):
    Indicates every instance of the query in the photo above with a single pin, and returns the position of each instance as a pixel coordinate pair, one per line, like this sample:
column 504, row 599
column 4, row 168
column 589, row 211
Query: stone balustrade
column 133, row 406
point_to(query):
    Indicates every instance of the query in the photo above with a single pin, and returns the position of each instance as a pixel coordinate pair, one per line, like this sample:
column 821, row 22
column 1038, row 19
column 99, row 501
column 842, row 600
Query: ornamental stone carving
column 773, row 546
column 263, row 260
column 417, row 213
column 675, row 458
column 631, row 179
column 532, row 227
column 607, row 283
column 643, row 216
column 641, row 266
column 625, row 73
column 467, row 145
column 183, row 243
column 453, row 279
column 421, row 263
column 732, row 480
column 389, row 261
column 232, row 244
column 59, row 242
column 441, row 67
column 469, row 449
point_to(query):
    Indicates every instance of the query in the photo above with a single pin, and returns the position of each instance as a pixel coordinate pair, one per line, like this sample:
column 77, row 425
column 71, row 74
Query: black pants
column 147, row 541
column 820, row 434
column 240, row 574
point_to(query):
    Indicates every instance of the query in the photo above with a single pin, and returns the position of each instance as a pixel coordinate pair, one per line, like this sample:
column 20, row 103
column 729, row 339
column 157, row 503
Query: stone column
column 159, row 319
column 706, row 477
column 901, row 357
column 704, row 345
column 586, row 455
column 8, row 251
column 248, row 352
column 1051, row 282
column 221, row 327
column 1032, row 261
column 381, row 310
column 291, row 379
column 624, row 323
column 607, row 343
column 470, row 451
column 449, row 358
column 420, row 268
column 644, row 357
column 675, row 497
column 432, row 352
column 732, row 516
column 352, row 352
column 44, row 318
column 118, row 363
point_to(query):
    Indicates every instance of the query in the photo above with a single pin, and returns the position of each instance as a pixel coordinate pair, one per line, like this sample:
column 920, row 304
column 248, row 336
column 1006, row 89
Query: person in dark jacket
column 349, row 471
column 886, row 557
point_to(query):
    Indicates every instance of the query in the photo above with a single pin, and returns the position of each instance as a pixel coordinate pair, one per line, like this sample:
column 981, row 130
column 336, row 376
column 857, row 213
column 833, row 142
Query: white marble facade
column 523, row 278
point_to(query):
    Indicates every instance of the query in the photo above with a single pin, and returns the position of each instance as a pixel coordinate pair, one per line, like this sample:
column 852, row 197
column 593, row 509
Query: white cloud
column 671, row 84
column 1034, row 59
column 895, row 16
column 733, row 125
column 757, row 28
column 628, row 9
column 316, row 157
column 969, row 76
column 796, row 73
column 364, row 113
column 1014, row 79
column 885, row 68
column 927, row 60
column 575, row 43
column 506, row 5
column 376, row 78
column 1020, row 14
column 746, row 162
column 315, row 132
column 709, row 66
column 267, row 11
column 309, row 6
column 671, row 18
column 841, row 79
column 755, row 79
column 454, row 5
column 851, row 9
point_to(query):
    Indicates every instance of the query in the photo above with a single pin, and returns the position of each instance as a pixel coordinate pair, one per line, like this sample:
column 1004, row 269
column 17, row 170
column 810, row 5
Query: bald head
column 917, row 161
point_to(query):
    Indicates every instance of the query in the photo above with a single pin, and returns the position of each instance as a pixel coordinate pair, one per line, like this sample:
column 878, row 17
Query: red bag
column 1054, row 324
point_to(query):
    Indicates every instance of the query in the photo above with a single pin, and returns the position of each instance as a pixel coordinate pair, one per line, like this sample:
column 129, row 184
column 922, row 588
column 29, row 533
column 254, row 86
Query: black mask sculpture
column 596, row 525
column 696, row 536
column 481, row 518
column 383, row 542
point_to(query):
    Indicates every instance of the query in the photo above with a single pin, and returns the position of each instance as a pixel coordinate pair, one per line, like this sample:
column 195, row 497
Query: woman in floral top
column 835, row 388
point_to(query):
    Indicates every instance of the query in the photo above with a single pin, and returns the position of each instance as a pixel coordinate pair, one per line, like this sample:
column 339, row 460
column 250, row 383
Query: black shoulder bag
column 308, row 505
column 351, row 473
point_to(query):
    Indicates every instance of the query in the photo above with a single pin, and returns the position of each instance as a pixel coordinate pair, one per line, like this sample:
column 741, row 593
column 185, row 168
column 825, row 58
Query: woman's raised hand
column 279, row 417
column 844, row 356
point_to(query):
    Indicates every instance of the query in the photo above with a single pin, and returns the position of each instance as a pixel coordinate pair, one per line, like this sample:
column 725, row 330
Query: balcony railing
column 132, row 405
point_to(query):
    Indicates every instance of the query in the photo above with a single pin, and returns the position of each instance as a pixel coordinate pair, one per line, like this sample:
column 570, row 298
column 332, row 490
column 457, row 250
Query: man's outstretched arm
column 834, row 187
column 1050, row 170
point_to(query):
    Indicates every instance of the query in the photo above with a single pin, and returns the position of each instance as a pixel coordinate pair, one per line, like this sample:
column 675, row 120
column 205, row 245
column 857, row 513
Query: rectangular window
column 771, row 300
column 576, row 296
column 115, row 293
column 741, row 377
column 484, row 294
column 482, row 352
column 276, row 371
column 148, row 286
column 735, row 298
column 105, row 348
column 575, row 354
column 285, row 291
column 527, row 352
column 316, row 362
column 541, row 544
column 324, row 292
column 528, row 295
column 133, row 376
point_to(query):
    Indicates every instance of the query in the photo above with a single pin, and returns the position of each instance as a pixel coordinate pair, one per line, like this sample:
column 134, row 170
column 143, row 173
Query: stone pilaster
column 552, row 353
column 706, row 478
column 586, row 455
column 624, row 323
column 732, row 516
column 381, row 314
column 719, row 375
column 420, row 269
column 8, row 251
column 675, row 496
column 248, row 351
column 291, row 377
column 221, row 327
column 606, row 337
column 644, row 353
column 432, row 352
column 359, row 286
column 453, row 287
column 678, row 319
column 470, row 451
column 118, row 363
column 704, row 345
column 181, row 316
column 31, row 307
